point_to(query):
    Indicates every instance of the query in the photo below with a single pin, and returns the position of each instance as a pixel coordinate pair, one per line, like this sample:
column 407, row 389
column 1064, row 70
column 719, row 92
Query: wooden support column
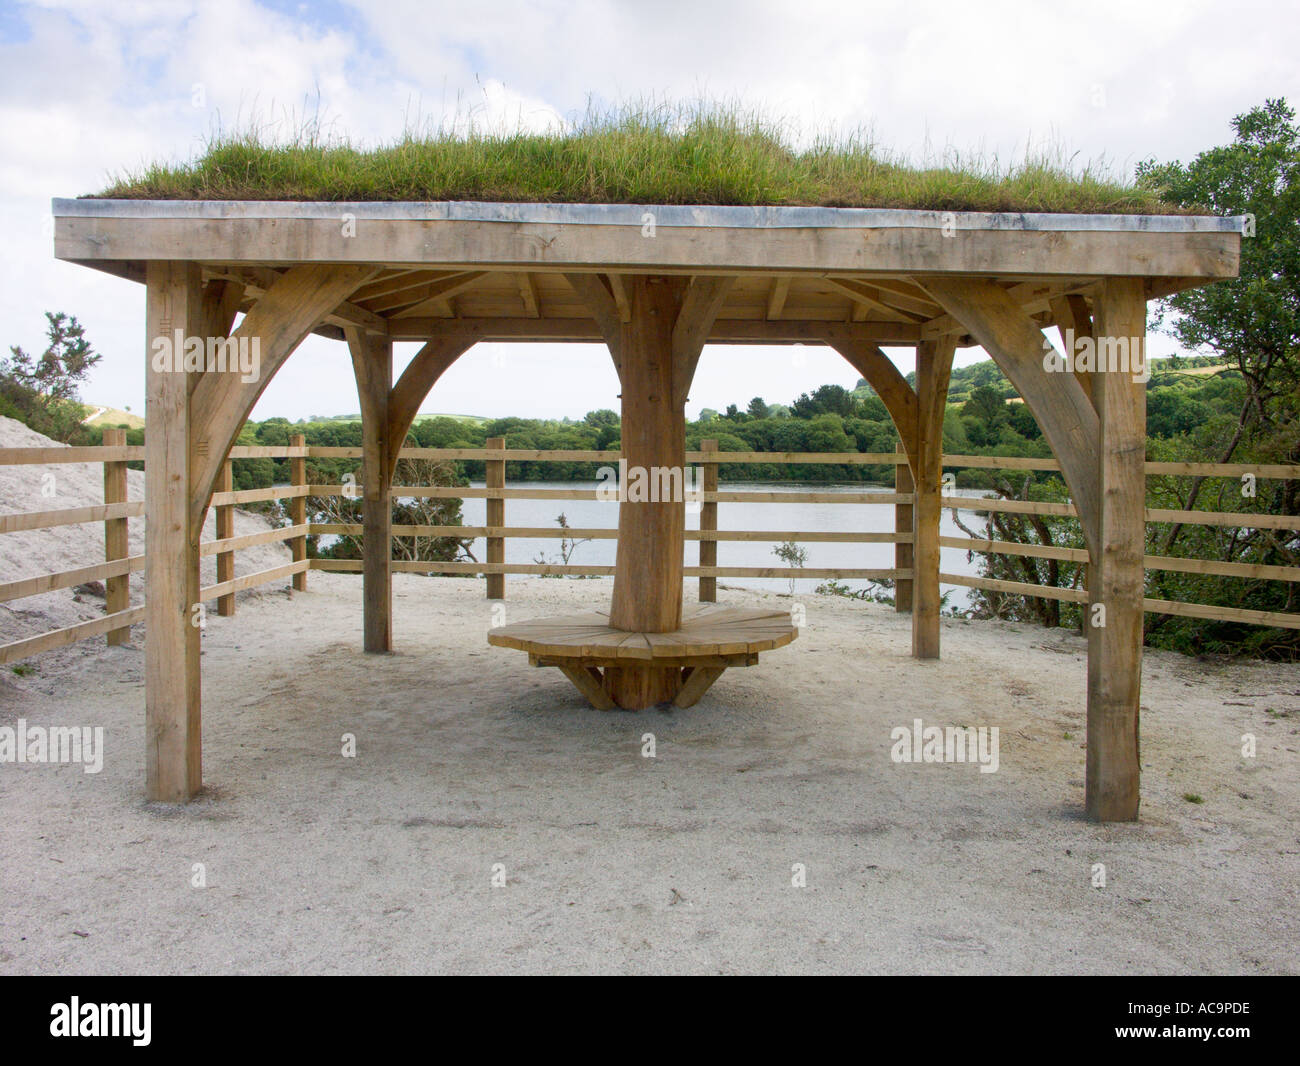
column 495, row 478
column 117, row 590
column 298, row 509
column 648, row 565
column 1117, row 578
column 655, row 334
column 225, row 514
column 173, row 743
column 933, row 366
column 372, row 360
column 903, row 521
column 709, row 521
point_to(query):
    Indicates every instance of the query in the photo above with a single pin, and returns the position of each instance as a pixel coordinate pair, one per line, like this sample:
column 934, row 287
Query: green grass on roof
column 647, row 155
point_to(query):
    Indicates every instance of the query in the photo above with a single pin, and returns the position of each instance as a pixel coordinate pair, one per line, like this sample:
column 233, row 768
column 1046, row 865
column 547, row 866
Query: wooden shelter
column 655, row 284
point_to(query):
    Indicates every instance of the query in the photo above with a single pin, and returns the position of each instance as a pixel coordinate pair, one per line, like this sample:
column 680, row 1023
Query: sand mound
column 47, row 551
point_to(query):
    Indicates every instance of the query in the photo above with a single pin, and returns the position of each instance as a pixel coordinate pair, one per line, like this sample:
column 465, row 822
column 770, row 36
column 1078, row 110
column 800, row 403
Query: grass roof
column 656, row 155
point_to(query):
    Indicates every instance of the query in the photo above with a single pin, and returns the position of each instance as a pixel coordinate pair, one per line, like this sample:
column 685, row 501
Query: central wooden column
column 648, row 567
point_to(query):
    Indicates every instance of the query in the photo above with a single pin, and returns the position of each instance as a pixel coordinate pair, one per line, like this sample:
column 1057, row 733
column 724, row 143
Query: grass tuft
column 641, row 154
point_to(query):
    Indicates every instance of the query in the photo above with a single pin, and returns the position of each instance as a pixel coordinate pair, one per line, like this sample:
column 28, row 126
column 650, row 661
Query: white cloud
column 99, row 87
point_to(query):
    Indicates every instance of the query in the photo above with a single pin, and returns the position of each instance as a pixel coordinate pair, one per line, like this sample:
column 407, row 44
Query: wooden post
column 117, row 590
column 903, row 519
column 372, row 360
column 173, row 751
column 298, row 509
column 648, row 567
column 709, row 522
column 1116, row 585
column 933, row 366
column 495, row 478
column 225, row 515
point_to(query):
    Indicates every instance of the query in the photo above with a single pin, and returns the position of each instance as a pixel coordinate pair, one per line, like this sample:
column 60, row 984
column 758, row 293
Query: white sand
column 467, row 757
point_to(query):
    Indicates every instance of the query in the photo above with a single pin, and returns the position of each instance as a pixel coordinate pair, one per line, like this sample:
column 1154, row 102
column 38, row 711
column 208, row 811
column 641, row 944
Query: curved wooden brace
column 890, row 385
column 415, row 384
column 700, row 306
column 1058, row 401
column 279, row 321
column 604, row 309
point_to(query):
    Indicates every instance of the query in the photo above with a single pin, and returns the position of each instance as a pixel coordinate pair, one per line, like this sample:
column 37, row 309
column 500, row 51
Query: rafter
column 776, row 297
column 869, row 297
column 619, row 291
column 257, row 281
column 528, row 293
column 434, row 295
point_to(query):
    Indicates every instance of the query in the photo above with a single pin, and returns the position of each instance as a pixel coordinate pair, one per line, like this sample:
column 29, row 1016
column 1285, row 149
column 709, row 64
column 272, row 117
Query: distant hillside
column 473, row 420
column 98, row 415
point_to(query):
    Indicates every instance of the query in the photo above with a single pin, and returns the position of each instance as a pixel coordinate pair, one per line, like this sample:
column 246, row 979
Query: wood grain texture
column 298, row 510
column 225, row 529
column 117, row 589
column 173, row 741
column 708, row 522
column 1116, row 575
column 372, row 363
column 495, row 478
column 933, row 368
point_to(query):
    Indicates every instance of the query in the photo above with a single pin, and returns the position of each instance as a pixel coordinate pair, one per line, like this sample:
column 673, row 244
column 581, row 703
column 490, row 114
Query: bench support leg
column 698, row 681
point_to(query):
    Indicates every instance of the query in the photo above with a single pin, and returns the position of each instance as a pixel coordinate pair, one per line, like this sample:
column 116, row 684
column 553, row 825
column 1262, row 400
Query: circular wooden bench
column 586, row 648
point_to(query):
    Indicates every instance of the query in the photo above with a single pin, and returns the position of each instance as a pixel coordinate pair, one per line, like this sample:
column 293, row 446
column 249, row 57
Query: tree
column 828, row 399
column 757, row 407
column 416, row 511
column 987, row 405
column 42, row 389
column 1251, row 321
column 603, row 417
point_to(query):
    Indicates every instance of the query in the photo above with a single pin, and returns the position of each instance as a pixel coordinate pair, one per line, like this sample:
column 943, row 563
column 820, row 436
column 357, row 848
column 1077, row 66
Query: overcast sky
column 89, row 89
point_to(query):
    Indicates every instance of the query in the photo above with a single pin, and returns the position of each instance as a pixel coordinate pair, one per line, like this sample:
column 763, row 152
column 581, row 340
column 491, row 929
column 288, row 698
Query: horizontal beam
column 724, row 331
column 610, row 237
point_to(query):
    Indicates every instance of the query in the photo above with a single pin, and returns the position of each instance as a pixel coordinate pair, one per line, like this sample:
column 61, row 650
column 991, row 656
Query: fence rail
column 118, row 565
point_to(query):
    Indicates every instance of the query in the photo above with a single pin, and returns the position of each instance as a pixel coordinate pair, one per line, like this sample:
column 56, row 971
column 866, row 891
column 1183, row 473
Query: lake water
column 829, row 517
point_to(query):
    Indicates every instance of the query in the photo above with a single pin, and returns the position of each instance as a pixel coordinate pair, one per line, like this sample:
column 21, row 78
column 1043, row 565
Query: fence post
column 903, row 553
column 298, row 509
column 709, row 521
column 117, row 590
column 496, row 516
column 225, row 514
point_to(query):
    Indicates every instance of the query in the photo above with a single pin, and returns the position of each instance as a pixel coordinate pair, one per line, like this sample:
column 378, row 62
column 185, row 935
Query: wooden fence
column 117, row 510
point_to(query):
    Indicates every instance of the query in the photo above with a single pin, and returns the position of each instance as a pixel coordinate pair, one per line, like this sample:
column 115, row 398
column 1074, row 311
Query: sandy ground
column 613, row 862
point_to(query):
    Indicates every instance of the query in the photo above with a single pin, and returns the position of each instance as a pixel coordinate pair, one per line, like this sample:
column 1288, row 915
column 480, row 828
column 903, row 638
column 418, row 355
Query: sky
column 89, row 90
